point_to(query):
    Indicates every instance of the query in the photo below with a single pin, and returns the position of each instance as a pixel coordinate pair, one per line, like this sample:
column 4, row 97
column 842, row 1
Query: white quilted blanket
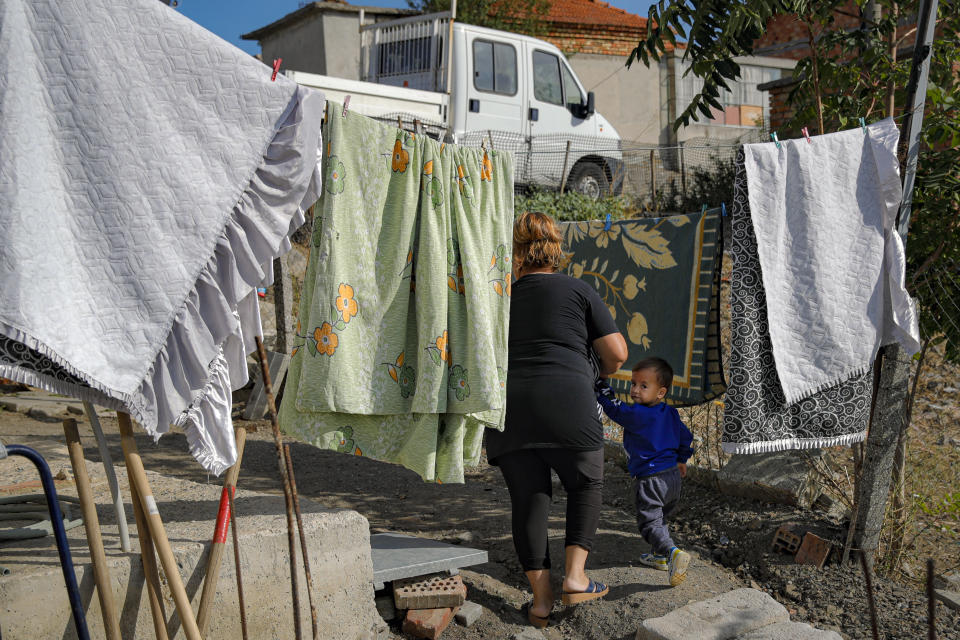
column 833, row 267
column 150, row 173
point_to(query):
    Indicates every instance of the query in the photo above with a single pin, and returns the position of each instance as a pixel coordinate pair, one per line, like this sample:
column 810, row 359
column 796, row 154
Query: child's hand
column 602, row 387
column 682, row 466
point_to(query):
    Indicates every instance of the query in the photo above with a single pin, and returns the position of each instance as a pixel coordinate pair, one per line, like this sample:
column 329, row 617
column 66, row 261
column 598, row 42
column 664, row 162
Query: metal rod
column 236, row 561
column 916, row 100
column 63, row 548
column 111, row 476
column 563, row 172
column 865, row 564
column 931, row 604
column 152, row 516
column 287, row 494
column 209, row 595
column 303, row 541
column 653, row 178
column 101, row 573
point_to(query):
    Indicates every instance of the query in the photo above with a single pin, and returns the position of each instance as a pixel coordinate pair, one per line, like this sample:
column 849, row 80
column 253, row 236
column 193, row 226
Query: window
column 546, row 78
column 406, row 56
column 743, row 105
column 494, row 67
column 571, row 91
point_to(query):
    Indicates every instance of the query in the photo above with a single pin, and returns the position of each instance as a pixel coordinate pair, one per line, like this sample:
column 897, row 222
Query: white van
column 516, row 92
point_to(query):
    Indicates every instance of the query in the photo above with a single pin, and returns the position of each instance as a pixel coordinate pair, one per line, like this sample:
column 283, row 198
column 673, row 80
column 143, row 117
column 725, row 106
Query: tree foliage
column 848, row 73
column 519, row 16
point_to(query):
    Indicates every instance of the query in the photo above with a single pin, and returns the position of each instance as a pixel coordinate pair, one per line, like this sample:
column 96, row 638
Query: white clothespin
column 806, row 134
column 346, row 105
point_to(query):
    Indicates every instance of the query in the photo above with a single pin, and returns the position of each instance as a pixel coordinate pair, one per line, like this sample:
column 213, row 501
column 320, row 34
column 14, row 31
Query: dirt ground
column 728, row 538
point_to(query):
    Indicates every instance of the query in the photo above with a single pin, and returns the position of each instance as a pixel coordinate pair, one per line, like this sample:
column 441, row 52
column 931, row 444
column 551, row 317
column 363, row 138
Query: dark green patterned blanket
column 660, row 278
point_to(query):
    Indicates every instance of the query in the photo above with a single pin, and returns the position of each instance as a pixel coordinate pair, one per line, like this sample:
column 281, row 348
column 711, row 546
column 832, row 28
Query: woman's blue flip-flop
column 593, row 591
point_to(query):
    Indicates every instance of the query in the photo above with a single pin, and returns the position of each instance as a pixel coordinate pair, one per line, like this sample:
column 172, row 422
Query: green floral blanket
column 401, row 348
column 660, row 280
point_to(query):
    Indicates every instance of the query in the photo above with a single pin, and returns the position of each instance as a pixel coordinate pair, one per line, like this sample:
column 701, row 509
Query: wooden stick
column 236, row 563
column 151, row 574
column 155, row 524
column 303, row 541
column 101, row 573
column 287, row 493
column 209, row 594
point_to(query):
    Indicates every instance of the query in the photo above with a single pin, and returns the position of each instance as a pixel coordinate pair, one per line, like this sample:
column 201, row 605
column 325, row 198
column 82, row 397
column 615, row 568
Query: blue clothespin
column 773, row 136
column 723, row 209
column 863, row 125
column 703, row 209
column 607, row 222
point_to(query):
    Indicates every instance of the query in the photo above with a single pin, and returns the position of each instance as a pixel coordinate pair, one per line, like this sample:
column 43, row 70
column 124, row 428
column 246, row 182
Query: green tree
column 850, row 73
column 519, row 16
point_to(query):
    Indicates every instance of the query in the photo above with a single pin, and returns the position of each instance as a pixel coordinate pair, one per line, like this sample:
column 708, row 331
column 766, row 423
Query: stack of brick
column 431, row 603
column 806, row 547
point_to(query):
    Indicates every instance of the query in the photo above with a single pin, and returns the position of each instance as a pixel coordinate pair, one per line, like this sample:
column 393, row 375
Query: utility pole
column 890, row 406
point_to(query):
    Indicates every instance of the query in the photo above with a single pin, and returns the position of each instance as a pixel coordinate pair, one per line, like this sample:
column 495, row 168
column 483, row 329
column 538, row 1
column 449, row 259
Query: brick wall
column 601, row 40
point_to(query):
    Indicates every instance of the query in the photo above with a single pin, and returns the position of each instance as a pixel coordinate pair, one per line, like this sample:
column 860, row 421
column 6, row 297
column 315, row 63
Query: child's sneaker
column 655, row 561
column 677, row 566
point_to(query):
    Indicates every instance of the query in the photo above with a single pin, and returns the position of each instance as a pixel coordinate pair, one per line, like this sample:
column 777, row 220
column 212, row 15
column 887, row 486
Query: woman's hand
column 612, row 352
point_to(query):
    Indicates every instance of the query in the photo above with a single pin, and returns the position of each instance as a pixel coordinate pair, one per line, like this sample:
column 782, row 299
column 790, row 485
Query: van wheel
column 590, row 180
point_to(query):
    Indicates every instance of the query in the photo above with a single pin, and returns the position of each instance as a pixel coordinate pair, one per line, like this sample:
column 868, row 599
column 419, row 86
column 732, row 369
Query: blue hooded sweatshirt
column 655, row 438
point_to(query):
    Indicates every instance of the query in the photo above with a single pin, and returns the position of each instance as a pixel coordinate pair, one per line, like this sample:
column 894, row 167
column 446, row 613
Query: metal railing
column 408, row 52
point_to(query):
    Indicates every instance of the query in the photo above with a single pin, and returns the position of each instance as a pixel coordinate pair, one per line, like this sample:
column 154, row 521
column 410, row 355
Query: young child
column 658, row 445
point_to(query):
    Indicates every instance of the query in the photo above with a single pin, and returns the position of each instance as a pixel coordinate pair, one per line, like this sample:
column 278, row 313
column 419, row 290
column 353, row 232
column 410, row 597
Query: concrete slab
column 949, row 598
column 784, row 477
column 722, row 618
column 790, row 631
column 35, row 601
column 397, row 556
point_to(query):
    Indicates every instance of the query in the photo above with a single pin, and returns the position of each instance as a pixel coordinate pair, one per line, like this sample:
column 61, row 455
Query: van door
column 557, row 113
column 494, row 96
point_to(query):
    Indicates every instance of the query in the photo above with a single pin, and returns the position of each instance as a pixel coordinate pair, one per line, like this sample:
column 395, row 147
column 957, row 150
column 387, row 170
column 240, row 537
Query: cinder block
column 430, row 592
column 727, row 616
column 427, row 623
column 469, row 613
column 786, row 540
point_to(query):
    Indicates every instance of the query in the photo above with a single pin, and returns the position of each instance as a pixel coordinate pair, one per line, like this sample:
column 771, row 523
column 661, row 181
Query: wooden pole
column 236, row 562
column 101, row 574
column 891, row 395
column 287, row 493
column 151, row 574
column 138, row 478
column 303, row 541
column 219, row 541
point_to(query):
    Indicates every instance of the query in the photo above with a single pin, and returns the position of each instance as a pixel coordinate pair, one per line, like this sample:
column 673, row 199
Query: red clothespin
column 276, row 68
column 346, row 105
column 806, row 134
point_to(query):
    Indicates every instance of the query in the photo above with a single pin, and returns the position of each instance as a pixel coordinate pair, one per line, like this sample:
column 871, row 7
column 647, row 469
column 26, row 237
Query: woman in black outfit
column 557, row 324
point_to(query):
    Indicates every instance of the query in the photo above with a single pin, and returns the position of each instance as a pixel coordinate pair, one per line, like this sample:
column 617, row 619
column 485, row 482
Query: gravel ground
column 728, row 537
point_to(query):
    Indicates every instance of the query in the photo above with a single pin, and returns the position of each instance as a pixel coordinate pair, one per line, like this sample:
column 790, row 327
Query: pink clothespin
column 806, row 134
column 346, row 105
column 276, row 68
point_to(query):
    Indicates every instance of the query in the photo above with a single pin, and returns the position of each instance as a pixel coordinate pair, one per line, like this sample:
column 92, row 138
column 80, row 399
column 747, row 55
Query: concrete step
column 790, row 631
column 727, row 616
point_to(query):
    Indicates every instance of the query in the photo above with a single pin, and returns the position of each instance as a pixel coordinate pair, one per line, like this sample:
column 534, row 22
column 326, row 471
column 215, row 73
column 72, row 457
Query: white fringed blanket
column 823, row 213
column 150, row 173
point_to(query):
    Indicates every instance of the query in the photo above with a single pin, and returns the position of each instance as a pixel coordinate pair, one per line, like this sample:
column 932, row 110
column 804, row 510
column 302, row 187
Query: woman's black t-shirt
column 554, row 320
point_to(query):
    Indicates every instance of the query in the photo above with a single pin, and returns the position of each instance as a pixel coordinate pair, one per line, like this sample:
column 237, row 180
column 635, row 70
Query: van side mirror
column 591, row 104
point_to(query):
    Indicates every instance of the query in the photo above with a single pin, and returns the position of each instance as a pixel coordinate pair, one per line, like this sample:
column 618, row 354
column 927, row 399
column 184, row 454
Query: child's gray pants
column 656, row 497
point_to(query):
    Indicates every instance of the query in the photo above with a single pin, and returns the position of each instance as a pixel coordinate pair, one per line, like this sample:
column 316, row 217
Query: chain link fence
column 658, row 178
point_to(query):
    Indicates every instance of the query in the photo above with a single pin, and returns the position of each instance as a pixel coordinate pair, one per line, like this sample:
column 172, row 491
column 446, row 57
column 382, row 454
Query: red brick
column 428, row 623
column 429, row 592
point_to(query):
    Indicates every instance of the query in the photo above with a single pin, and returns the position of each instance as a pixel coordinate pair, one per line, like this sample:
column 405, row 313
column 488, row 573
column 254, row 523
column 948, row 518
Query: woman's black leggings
column 527, row 474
